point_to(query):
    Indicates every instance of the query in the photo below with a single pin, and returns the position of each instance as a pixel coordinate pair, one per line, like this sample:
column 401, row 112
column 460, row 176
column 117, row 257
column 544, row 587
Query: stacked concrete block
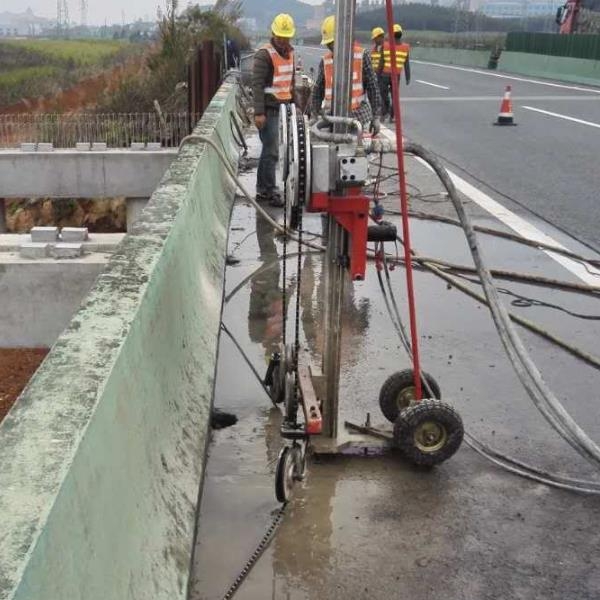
column 138, row 146
column 28, row 146
column 74, row 234
column 99, row 146
column 82, row 146
column 34, row 250
column 45, row 147
column 44, row 234
column 153, row 146
column 64, row 250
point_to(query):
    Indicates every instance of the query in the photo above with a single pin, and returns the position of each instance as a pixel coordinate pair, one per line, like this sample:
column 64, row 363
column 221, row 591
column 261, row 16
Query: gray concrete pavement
column 374, row 527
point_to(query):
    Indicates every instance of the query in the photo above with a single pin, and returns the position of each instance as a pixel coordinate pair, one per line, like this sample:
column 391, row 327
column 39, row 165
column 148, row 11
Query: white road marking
column 498, row 97
column 559, row 116
column 525, row 229
column 435, row 85
column 511, row 77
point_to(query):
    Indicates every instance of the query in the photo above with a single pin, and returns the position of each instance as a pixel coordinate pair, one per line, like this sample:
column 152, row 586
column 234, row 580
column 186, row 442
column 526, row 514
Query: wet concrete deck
column 374, row 527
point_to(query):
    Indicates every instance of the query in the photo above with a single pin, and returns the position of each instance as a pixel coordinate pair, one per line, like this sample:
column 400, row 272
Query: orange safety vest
column 402, row 51
column 357, row 93
column 283, row 75
column 375, row 55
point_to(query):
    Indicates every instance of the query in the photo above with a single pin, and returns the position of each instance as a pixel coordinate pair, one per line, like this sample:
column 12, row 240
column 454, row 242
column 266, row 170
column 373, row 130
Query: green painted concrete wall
column 451, row 56
column 101, row 459
column 576, row 70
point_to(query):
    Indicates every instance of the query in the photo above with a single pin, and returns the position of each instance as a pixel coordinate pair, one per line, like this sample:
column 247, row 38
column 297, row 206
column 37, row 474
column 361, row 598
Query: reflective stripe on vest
column 283, row 74
column 375, row 55
column 402, row 51
column 357, row 93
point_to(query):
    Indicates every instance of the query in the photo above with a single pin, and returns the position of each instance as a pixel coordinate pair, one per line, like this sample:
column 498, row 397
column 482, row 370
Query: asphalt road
column 548, row 164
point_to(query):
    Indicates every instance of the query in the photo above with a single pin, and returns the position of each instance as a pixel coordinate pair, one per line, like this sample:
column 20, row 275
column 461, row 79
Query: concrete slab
column 81, row 174
column 97, row 242
column 62, row 250
column 44, row 234
column 74, row 234
column 34, row 250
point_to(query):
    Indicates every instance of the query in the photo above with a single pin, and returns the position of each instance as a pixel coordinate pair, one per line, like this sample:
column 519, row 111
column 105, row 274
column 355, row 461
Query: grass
column 16, row 77
column 40, row 66
column 80, row 52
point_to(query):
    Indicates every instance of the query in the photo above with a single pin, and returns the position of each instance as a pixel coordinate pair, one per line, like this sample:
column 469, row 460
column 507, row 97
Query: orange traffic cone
column 505, row 117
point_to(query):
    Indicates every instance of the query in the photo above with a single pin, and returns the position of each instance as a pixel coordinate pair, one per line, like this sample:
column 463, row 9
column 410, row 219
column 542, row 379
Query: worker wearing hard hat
column 385, row 69
column 272, row 85
column 365, row 99
column 377, row 39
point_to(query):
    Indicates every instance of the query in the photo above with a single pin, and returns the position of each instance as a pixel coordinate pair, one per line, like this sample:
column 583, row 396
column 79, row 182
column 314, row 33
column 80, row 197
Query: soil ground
column 17, row 365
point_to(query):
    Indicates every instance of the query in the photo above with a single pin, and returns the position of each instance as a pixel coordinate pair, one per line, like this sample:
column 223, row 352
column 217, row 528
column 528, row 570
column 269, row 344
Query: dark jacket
column 262, row 77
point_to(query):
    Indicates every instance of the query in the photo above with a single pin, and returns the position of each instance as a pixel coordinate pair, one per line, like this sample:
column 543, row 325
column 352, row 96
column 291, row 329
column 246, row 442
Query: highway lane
column 548, row 164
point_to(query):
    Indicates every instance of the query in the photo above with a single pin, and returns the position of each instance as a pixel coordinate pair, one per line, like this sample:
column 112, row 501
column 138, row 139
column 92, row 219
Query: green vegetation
column 165, row 69
column 38, row 66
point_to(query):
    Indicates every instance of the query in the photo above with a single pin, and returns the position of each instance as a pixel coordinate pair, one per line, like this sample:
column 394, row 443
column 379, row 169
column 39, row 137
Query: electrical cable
column 521, row 301
column 202, row 139
column 531, row 379
column 538, row 280
column 506, row 462
column 249, row 363
column 503, row 234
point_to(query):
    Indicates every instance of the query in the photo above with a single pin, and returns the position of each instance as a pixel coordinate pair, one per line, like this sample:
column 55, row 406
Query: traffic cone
column 505, row 116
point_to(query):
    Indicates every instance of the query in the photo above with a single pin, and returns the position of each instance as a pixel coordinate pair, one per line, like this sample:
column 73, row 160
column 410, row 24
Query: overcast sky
column 99, row 10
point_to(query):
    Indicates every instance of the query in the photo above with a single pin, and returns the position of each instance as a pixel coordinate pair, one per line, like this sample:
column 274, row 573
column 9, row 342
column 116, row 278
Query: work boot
column 262, row 197
column 276, row 200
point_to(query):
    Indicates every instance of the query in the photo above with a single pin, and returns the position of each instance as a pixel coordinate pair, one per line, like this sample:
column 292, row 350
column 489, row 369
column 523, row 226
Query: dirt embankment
column 106, row 215
column 17, row 365
column 83, row 95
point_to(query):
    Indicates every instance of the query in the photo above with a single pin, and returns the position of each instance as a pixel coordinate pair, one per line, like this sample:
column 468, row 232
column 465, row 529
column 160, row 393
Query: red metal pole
column 404, row 202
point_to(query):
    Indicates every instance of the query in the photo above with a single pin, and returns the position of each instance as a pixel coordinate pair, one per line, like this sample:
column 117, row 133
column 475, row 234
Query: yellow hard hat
column 397, row 28
column 377, row 31
column 328, row 30
column 283, row 26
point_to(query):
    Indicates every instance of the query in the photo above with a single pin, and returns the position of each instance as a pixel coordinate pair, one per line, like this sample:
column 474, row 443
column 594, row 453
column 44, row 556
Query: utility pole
column 83, row 10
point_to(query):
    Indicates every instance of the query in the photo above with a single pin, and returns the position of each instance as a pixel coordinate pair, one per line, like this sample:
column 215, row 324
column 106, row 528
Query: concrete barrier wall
column 562, row 68
column 451, row 56
column 576, row 70
column 101, row 459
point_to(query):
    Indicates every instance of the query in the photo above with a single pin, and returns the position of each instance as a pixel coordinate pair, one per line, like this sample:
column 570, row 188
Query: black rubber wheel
column 429, row 432
column 277, row 388
column 398, row 391
column 284, row 475
column 291, row 402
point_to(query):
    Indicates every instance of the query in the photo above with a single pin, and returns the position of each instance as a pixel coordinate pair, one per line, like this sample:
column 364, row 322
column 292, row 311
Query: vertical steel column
column 335, row 271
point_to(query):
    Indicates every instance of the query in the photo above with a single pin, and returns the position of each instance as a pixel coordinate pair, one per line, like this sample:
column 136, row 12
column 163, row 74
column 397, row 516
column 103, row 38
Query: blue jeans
column 269, row 136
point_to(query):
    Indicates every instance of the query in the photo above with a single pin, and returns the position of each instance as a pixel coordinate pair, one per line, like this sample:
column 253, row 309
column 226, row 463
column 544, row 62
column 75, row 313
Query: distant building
column 509, row 10
column 21, row 24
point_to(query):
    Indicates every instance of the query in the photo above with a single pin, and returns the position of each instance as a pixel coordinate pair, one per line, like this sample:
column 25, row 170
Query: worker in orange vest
column 385, row 69
column 365, row 99
column 272, row 85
